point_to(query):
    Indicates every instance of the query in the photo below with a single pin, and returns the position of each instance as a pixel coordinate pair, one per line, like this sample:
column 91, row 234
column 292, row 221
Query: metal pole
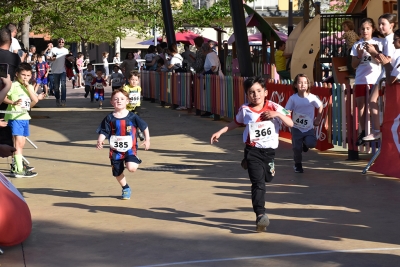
column 168, row 21
column 241, row 38
column 290, row 17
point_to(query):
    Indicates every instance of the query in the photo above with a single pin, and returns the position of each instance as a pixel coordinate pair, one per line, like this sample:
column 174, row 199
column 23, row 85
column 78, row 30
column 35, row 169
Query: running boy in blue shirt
column 120, row 128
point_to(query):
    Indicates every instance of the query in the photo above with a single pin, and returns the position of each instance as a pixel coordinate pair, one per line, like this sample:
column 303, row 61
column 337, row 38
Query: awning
column 255, row 20
column 132, row 42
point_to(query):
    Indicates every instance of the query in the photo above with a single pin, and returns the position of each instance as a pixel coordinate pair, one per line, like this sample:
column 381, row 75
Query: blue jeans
column 50, row 81
column 60, row 79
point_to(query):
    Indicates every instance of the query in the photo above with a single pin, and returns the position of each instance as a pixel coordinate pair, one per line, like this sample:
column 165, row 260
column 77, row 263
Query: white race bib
column 261, row 131
column 301, row 120
column 366, row 59
column 134, row 98
column 121, row 143
column 25, row 103
column 116, row 80
column 98, row 86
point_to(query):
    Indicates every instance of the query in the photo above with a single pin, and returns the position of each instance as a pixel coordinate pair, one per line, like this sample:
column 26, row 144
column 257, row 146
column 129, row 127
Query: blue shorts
column 99, row 94
column 118, row 166
column 41, row 81
column 19, row 127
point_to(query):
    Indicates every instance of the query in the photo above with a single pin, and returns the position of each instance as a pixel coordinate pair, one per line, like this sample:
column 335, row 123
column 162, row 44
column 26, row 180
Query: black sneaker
column 360, row 140
column 24, row 174
column 206, row 115
column 26, row 167
column 298, row 168
column 305, row 148
column 262, row 222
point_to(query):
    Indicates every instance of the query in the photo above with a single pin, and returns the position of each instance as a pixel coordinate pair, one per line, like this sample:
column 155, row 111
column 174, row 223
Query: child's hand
column 317, row 122
column 383, row 59
column 146, row 144
column 41, row 96
column 215, row 137
column 360, row 51
column 99, row 145
column 6, row 81
column 17, row 103
column 6, row 151
column 268, row 115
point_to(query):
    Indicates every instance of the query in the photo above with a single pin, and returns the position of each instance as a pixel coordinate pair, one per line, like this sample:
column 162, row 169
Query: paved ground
column 190, row 203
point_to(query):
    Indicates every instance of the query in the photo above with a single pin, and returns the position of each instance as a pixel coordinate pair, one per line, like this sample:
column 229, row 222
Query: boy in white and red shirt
column 261, row 136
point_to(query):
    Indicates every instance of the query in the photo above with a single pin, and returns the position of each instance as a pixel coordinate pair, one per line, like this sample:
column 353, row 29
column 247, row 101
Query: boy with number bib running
column 20, row 99
column 120, row 128
column 134, row 91
column 99, row 83
column 302, row 105
column 262, row 119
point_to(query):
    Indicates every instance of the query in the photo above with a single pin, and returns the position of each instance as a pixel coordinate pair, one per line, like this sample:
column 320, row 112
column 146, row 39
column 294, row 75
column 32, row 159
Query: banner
column 389, row 158
column 324, row 130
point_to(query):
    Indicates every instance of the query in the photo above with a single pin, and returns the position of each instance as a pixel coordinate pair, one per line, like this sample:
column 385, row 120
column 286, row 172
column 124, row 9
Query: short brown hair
column 119, row 90
column 134, row 73
column 198, row 41
column 349, row 24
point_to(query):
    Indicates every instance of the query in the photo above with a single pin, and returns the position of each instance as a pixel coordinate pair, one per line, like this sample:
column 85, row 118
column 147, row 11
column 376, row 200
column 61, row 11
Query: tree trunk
column 25, row 31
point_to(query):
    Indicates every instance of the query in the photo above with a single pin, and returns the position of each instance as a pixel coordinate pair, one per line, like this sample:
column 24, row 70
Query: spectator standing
column 176, row 59
column 151, row 58
column 57, row 56
column 79, row 65
column 280, row 60
column 116, row 59
column 105, row 64
column 128, row 65
column 13, row 60
column 15, row 47
column 199, row 59
column 188, row 57
column 211, row 63
column 50, row 79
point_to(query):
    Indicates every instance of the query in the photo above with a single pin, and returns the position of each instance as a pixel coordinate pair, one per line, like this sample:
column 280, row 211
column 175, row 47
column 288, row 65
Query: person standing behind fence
column 198, row 64
column 392, row 70
column 367, row 69
column 302, row 105
column 151, row 58
column 387, row 22
column 116, row 59
column 262, row 119
column 280, row 60
column 350, row 37
column 105, row 65
column 128, row 65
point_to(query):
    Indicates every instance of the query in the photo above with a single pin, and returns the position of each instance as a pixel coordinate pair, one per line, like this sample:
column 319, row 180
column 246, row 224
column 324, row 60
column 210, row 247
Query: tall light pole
column 290, row 17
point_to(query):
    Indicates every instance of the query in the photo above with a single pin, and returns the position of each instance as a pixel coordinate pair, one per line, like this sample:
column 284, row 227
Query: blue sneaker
column 126, row 193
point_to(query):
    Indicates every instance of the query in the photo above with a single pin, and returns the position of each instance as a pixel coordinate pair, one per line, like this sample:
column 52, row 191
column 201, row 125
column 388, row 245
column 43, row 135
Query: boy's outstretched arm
column 146, row 142
column 232, row 125
column 100, row 141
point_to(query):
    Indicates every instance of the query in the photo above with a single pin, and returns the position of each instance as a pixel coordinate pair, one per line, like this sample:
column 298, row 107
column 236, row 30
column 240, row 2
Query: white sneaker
column 372, row 137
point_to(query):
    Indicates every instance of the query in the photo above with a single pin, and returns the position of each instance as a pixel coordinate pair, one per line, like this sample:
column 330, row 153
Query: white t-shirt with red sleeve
column 258, row 133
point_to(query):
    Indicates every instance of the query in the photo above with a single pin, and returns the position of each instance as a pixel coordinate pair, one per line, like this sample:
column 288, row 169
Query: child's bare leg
column 121, row 179
column 361, row 114
column 374, row 108
column 19, row 143
column 36, row 87
column 46, row 89
column 131, row 166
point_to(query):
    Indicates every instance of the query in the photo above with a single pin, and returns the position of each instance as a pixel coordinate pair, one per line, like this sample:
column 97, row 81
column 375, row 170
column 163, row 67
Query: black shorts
column 118, row 166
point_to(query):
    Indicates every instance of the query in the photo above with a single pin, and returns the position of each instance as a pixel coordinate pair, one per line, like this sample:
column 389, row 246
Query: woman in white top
column 211, row 64
column 105, row 64
column 367, row 68
column 116, row 59
column 387, row 22
column 175, row 59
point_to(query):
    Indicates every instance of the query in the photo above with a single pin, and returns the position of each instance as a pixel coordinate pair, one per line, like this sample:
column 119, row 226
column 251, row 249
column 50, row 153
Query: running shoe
column 24, row 174
column 298, row 168
column 262, row 222
column 372, row 137
column 126, row 193
column 360, row 140
column 305, row 148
